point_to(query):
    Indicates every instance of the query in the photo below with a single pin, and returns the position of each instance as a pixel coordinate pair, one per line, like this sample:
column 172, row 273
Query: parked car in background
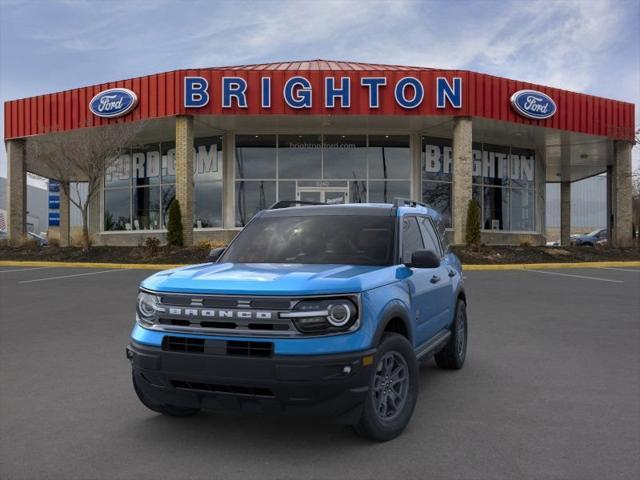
column 41, row 239
column 590, row 239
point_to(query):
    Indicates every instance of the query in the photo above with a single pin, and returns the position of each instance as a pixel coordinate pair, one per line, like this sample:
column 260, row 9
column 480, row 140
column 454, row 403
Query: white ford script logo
column 114, row 102
column 533, row 104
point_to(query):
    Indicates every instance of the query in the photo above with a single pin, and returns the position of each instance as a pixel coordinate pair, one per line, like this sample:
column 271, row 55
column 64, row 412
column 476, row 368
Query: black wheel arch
column 394, row 319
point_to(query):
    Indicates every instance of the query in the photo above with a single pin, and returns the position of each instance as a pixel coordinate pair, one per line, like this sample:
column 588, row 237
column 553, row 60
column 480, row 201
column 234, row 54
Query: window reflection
column 389, row 156
column 256, row 156
column 345, row 156
column 300, row 156
column 251, row 197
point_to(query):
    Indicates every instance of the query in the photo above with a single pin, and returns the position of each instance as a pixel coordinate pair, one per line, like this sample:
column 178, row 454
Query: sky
column 581, row 45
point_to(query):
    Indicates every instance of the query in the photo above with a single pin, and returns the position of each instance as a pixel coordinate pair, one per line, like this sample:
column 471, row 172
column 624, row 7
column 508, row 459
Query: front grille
column 217, row 347
column 249, row 349
column 183, row 344
column 216, row 388
column 253, row 316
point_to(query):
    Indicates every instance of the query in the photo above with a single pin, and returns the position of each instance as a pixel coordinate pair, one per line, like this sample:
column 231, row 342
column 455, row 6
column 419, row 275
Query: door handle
column 452, row 273
column 435, row 279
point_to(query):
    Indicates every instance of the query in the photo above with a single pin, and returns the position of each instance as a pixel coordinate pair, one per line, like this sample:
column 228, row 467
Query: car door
column 443, row 295
column 422, row 283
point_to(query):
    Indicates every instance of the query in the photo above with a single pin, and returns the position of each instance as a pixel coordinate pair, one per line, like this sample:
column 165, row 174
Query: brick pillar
column 621, row 184
column 65, row 216
column 16, row 191
column 565, row 213
column 462, row 175
column 184, row 174
column 228, row 181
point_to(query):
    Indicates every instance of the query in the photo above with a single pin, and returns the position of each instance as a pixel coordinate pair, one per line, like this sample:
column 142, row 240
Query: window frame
column 401, row 235
column 435, row 237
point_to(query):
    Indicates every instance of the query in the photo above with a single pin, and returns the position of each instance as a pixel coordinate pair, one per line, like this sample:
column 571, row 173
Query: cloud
column 589, row 46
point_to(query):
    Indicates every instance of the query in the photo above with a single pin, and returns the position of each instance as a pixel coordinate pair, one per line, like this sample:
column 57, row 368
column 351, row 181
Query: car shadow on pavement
column 277, row 434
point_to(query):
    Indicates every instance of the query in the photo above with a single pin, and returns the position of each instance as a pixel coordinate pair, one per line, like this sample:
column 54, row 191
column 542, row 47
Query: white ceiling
column 568, row 156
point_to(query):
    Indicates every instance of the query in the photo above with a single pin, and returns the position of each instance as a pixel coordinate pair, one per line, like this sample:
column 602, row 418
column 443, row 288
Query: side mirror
column 216, row 253
column 424, row 259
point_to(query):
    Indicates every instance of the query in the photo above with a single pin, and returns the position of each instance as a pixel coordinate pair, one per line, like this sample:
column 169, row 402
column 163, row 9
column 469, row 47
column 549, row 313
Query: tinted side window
column 429, row 236
column 411, row 238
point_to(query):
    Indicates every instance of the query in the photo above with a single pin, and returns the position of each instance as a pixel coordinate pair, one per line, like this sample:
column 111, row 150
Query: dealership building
column 230, row 141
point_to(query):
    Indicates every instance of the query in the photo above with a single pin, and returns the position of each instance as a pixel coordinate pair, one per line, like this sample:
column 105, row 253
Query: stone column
column 621, row 184
column 65, row 216
column 462, row 175
column 228, row 180
column 184, row 174
column 610, row 202
column 16, row 191
column 565, row 213
column 415, row 147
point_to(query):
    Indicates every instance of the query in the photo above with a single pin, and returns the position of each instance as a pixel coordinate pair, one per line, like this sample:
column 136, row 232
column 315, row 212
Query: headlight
column 323, row 315
column 146, row 307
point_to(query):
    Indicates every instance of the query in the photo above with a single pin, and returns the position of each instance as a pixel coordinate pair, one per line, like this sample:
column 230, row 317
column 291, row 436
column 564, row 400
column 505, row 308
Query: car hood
column 270, row 279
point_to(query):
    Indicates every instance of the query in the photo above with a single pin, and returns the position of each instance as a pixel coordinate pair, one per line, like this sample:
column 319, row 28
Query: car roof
column 369, row 209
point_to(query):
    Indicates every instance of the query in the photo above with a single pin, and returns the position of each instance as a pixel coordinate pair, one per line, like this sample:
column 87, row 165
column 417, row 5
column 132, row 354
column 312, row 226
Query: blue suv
column 320, row 310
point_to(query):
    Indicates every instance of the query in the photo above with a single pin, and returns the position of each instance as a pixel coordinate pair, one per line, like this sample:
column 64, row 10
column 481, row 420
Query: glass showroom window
column 255, row 175
column 140, row 186
column 437, row 175
column 328, row 168
column 146, row 171
column 207, row 177
column 495, row 181
column 117, row 194
column 389, row 167
column 503, row 183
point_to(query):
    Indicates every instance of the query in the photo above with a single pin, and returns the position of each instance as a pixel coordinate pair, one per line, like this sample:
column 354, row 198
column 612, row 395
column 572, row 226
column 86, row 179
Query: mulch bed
column 479, row 256
column 106, row 254
column 488, row 255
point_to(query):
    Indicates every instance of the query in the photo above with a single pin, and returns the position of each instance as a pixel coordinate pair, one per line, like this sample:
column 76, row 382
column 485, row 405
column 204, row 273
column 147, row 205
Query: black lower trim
column 321, row 385
column 434, row 345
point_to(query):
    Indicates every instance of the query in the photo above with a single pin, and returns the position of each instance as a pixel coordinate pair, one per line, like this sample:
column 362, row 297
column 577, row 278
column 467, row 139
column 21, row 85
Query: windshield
column 594, row 233
column 323, row 239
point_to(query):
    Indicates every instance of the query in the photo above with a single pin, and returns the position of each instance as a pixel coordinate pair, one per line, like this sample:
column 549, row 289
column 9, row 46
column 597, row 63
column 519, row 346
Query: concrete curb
column 551, row 266
column 130, row 266
column 150, row 266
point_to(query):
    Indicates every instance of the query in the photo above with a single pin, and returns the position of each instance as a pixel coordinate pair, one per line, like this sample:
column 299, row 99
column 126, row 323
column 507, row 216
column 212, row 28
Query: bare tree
column 82, row 156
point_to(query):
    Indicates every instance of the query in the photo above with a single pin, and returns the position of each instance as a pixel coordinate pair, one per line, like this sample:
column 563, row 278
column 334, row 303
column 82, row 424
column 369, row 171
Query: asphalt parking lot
column 551, row 389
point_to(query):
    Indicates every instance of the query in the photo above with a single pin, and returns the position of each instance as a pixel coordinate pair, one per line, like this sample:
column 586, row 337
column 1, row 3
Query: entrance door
column 330, row 195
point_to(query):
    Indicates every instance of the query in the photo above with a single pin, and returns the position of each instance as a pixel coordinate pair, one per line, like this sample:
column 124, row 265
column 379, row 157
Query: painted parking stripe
column 68, row 276
column 637, row 270
column 23, row 269
column 577, row 276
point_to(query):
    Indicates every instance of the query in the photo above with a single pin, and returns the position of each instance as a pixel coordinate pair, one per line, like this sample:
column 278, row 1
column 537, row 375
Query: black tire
column 385, row 425
column 452, row 356
column 169, row 410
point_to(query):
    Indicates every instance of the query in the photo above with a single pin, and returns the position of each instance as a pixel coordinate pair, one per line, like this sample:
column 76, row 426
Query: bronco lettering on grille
column 213, row 313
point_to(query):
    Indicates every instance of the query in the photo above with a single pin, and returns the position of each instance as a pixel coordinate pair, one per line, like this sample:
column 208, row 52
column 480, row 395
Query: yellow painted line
column 550, row 266
column 131, row 266
column 159, row 266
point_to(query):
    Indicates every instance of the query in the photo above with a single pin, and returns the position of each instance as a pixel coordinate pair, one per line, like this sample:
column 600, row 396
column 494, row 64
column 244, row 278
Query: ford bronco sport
column 315, row 310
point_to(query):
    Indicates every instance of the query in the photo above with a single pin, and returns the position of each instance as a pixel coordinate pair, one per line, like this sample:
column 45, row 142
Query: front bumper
column 320, row 385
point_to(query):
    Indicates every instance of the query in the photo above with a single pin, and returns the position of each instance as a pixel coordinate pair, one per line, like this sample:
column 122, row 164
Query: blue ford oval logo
column 533, row 104
column 114, row 102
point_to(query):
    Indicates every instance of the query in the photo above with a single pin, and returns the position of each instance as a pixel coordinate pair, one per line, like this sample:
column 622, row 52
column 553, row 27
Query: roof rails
column 292, row 203
column 405, row 202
